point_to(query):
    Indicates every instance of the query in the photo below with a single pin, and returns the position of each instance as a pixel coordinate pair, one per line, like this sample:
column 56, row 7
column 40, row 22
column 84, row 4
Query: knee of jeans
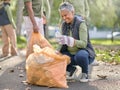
column 81, row 57
column 82, row 54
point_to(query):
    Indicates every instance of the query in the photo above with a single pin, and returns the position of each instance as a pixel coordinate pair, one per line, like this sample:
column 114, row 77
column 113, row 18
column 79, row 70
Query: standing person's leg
column 12, row 35
column 40, row 24
column 29, row 30
column 28, row 27
column 5, row 39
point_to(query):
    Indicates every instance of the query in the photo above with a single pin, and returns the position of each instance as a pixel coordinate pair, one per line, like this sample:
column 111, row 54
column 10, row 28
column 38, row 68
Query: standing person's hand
column 35, row 28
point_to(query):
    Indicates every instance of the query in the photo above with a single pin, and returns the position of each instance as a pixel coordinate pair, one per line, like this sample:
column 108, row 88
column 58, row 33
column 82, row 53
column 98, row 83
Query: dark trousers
column 81, row 58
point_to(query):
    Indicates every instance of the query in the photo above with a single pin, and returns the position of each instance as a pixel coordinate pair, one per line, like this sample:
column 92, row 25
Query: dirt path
column 104, row 77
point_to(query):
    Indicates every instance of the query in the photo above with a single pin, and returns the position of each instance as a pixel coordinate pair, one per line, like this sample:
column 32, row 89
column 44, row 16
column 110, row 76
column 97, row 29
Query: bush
column 21, row 42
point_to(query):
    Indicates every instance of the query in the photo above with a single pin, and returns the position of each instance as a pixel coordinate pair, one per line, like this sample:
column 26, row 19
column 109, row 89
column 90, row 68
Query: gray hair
column 66, row 6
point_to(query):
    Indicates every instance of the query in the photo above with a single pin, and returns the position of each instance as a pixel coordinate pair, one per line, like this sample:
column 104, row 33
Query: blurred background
column 104, row 20
column 104, row 26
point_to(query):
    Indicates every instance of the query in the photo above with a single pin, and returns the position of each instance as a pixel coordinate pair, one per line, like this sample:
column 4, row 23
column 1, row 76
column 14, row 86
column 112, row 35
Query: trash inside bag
column 46, row 68
column 37, row 38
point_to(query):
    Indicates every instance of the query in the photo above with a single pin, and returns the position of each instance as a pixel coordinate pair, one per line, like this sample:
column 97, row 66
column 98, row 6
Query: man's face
column 67, row 16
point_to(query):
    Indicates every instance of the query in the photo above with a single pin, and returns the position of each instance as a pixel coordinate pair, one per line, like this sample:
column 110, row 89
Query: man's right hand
column 35, row 28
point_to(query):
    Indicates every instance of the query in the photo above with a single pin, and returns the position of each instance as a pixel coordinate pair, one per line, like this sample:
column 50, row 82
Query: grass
column 106, row 50
column 105, row 42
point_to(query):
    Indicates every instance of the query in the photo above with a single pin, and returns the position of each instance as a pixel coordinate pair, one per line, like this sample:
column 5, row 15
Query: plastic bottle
column 57, row 33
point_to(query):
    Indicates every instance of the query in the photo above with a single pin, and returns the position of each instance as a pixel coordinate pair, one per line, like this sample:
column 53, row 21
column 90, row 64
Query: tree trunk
column 19, row 16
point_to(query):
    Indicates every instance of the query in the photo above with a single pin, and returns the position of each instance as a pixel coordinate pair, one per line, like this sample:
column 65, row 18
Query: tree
column 102, row 13
column 117, row 11
column 19, row 15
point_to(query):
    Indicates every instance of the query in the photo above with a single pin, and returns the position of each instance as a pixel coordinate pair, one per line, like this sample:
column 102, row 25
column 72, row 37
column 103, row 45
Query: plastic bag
column 46, row 68
column 37, row 38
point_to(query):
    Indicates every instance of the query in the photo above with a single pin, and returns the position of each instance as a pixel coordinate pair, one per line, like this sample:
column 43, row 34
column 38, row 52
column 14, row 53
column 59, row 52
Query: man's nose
column 64, row 17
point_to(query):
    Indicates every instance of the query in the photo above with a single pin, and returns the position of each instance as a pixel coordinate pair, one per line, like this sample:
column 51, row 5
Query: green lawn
column 106, row 50
column 105, row 42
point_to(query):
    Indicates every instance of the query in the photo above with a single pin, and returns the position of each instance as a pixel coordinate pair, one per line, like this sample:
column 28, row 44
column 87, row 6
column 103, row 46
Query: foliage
column 102, row 13
column 55, row 17
column 21, row 42
column 107, row 51
column 109, row 54
column 117, row 11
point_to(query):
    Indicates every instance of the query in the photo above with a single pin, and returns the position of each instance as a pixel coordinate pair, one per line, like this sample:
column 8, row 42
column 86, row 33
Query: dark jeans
column 81, row 58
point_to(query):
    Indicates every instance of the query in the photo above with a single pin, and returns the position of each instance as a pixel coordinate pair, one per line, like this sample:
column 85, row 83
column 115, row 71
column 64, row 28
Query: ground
column 106, row 76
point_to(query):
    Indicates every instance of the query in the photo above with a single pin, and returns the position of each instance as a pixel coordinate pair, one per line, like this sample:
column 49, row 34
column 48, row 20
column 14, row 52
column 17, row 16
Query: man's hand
column 66, row 40
column 35, row 28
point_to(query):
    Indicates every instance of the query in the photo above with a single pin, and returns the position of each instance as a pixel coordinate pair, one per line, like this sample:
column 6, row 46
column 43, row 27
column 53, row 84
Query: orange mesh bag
column 46, row 68
column 37, row 38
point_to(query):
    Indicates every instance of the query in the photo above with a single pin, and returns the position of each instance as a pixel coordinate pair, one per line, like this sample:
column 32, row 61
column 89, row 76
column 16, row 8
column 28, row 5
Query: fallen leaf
column 12, row 70
column 21, row 75
column 25, row 82
column 102, row 76
column 28, row 88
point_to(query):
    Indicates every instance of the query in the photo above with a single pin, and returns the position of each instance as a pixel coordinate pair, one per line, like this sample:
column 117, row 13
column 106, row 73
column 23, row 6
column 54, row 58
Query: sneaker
column 71, row 75
column 68, row 77
column 95, row 63
column 84, row 78
column 73, row 71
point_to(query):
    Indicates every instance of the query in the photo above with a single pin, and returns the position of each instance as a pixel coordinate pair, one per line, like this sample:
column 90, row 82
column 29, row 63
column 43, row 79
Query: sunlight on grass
column 105, row 42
